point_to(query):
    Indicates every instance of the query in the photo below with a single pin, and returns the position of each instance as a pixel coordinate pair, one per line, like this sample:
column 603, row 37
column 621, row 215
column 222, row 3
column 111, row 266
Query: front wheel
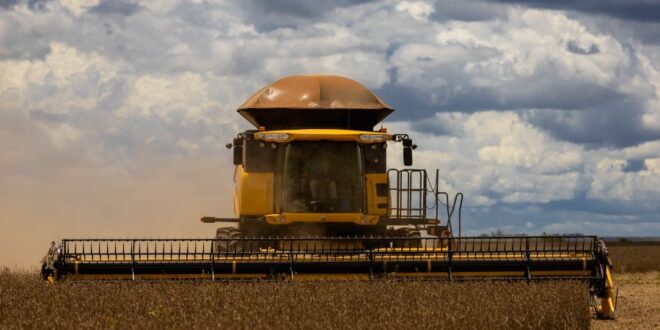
column 410, row 238
column 225, row 242
column 229, row 242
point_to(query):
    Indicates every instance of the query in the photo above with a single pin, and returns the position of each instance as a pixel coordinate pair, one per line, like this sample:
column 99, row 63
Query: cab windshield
column 322, row 176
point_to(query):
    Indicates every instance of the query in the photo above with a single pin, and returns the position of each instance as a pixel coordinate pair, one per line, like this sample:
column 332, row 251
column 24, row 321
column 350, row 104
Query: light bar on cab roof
column 373, row 137
column 272, row 136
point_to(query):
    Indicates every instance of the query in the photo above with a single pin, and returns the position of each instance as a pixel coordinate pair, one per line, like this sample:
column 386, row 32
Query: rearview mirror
column 238, row 151
column 407, row 156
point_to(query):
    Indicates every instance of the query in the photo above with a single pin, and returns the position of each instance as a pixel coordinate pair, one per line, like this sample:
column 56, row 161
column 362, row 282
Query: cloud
column 573, row 47
column 109, row 7
column 418, row 10
column 514, row 173
column 7, row 4
column 114, row 115
column 538, row 60
column 448, row 10
column 271, row 15
column 566, row 74
column 74, row 164
column 637, row 10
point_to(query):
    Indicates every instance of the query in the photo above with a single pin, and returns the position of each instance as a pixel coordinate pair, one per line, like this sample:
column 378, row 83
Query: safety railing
column 367, row 254
column 414, row 197
column 408, row 188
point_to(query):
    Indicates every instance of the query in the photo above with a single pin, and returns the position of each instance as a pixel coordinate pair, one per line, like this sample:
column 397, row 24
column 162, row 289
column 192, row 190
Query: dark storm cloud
column 116, row 7
column 636, row 10
column 602, row 217
column 32, row 4
column 460, row 10
column 37, row 4
column 573, row 47
column 648, row 32
column 634, row 165
column 616, row 125
column 604, row 117
column 6, row 4
column 415, row 104
column 304, row 9
column 270, row 15
column 408, row 101
column 582, row 203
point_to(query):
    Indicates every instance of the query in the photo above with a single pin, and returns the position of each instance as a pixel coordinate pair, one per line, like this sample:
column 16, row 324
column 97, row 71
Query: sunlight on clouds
column 78, row 7
column 64, row 83
column 169, row 97
column 653, row 164
column 517, row 143
column 499, row 153
column 419, row 10
column 115, row 118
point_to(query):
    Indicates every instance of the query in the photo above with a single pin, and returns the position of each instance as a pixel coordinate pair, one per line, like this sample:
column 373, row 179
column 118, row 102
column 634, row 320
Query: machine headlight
column 373, row 137
column 272, row 136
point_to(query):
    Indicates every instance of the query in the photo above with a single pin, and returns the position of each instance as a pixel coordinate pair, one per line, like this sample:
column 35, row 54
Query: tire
column 230, row 246
column 412, row 235
column 226, row 245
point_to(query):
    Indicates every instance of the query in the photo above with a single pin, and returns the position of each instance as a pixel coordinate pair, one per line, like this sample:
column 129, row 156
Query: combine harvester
column 314, row 200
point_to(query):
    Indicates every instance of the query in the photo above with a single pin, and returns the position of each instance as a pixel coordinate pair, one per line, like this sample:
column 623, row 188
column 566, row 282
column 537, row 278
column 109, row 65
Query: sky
column 114, row 114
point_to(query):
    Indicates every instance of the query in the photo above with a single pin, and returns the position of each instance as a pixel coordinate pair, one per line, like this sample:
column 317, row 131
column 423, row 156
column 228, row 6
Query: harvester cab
column 315, row 166
column 314, row 198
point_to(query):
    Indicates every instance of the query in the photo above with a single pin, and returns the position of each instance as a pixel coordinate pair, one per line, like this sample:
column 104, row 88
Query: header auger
column 314, row 199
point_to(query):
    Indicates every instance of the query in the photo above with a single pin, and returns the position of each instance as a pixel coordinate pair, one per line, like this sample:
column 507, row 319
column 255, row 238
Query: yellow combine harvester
column 314, row 199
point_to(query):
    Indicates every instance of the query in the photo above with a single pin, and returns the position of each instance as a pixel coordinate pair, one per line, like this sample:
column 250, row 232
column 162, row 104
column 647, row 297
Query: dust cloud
column 105, row 176
column 154, row 198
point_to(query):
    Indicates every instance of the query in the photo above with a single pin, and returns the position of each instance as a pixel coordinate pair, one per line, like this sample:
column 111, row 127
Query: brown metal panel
column 337, row 101
column 315, row 92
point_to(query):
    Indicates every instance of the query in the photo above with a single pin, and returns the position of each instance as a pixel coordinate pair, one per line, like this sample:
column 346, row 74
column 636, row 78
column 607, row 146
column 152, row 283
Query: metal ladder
column 413, row 196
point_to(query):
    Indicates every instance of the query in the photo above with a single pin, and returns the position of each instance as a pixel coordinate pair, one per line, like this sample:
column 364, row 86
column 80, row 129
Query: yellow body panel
column 254, row 193
column 286, row 218
column 321, row 134
column 373, row 200
column 607, row 303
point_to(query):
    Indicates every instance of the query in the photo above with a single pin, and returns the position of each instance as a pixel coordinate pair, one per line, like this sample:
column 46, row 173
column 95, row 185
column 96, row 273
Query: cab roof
column 315, row 92
column 315, row 101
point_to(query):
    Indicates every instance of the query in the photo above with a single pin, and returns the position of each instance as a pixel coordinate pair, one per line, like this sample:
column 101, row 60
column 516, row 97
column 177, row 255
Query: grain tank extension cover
column 315, row 101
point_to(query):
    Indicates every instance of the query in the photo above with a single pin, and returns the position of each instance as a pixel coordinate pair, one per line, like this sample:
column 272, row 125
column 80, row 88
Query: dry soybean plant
column 630, row 258
column 28, row 302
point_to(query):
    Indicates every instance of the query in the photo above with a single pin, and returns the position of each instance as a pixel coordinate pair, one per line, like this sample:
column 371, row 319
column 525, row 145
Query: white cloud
column 516, row 108
column 530, row 45
column 499, row 153
column 419, row 10
column 65, row 81
column 653, row 165
column 78, row 7
column 174, row 97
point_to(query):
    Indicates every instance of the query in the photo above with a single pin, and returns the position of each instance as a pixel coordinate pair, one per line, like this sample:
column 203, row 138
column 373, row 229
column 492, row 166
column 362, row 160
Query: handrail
column 409, row 191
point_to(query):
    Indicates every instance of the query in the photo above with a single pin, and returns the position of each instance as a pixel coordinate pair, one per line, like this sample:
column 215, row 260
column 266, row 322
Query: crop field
column 28, row 302
column 635, row 258
column 637, row 276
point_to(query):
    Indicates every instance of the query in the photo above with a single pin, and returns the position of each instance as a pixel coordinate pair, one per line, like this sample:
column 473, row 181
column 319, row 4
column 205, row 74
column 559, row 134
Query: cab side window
column 374, row 157
column 260, row 156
